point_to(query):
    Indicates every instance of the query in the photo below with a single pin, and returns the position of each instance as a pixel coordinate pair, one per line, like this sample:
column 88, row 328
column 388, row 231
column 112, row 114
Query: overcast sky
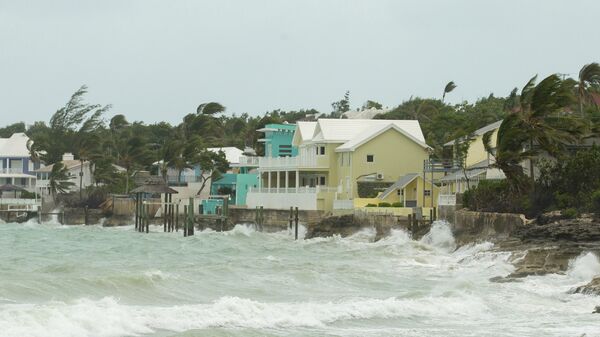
column 157, row 60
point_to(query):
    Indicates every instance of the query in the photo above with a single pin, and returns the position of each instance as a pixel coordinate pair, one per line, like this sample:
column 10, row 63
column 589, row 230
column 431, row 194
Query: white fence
column 249, row 161
column 447, row 200
column 304, row 200
column 287, row 162
column 293, row 190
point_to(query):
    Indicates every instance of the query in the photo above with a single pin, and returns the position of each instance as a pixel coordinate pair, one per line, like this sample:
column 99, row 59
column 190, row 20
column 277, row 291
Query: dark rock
column 502, row 279
column 592, row 288
column 343, row 225
column 596, row 310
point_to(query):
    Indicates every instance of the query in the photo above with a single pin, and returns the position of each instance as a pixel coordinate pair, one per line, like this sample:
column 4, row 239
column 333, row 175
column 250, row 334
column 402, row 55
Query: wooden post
column 431, row 215
column 170, row 211
column 291, row 216
column 190, row 223
column 63, row 217
column 85, row 209
column 147, row 214
column 137, row 210
column 164, row 213
column 185, row 217
column 256, row 218
column 434, row 213
column 177, row 217
column 296, row 223
column 409, row 226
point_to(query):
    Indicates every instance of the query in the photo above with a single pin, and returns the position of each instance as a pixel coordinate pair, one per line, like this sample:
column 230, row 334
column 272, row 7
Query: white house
column 16, row 166
column 74, row 168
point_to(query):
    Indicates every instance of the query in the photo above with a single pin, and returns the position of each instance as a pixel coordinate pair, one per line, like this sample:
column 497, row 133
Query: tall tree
column 59, row 180
column 341, row 106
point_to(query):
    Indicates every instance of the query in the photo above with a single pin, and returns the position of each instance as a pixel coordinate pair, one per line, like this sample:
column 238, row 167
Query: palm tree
column 133, row 152
column 448, row 89
column 539, row 124
column 589, row 77
column 59, row 180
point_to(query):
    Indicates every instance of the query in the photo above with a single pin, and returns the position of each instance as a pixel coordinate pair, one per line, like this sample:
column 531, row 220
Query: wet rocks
column 592, row 288
column 344, row 225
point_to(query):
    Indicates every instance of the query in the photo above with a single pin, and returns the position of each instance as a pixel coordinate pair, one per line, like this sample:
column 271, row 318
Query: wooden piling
column 85, row 210
column 190, row 223
column 434, row 213
column 177, row 217
column 431, row 215
column 262, row 217
column 409, row 225
column 164, row 213
column 296, row 223
column 147, row 215
column 291, row 216
column 185, row 217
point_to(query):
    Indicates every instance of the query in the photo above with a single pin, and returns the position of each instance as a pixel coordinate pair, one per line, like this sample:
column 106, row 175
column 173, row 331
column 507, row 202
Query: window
column 322, row 181
column 400, row 192
column 322, row 150
column 370, row 158
column 427, row 193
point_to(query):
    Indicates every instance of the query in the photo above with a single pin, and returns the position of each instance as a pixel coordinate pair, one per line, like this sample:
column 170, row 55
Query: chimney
column 68, row 156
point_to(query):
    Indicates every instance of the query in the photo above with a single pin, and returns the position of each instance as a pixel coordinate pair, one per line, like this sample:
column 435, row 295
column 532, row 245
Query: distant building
column 278, row 140
column 74, row 167
column 16, row 166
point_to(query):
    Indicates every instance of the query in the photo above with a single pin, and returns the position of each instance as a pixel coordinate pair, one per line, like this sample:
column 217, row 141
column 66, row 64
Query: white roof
column 304, row 132
column 232, row 154
column 14, row 146
column 373, row 132
column 343, row 130
column 479, row 132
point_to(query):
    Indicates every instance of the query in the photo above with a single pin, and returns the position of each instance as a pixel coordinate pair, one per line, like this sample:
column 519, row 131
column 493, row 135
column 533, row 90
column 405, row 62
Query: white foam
column 108, row 318
column 585, row 267
column 440, row 236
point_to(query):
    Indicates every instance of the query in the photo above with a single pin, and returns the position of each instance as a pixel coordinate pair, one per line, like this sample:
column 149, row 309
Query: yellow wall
column 477, row 152
column 395, row 155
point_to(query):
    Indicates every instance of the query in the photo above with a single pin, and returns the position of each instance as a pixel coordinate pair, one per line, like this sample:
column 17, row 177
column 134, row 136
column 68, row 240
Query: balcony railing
column 301, row 189
column 288, row 162
column 11, row 170
column 248, row 161
column 447, row 200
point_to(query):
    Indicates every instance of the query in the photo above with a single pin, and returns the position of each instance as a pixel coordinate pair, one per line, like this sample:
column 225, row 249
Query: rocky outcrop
column 592, row 288
column 346, row 225
column 485, row 226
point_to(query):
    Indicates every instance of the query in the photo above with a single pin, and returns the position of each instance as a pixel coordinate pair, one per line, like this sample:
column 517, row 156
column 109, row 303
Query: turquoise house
column 236, row 185
column 278, row 140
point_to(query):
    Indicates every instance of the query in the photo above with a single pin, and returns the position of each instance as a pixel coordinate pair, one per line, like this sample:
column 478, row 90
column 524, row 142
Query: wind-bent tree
column 133, row 152
column 589, row 81
column 59, row 180
column 212, row 166
column 448, row 89
column 341, row 106
column 539, row 125
column 211, row 108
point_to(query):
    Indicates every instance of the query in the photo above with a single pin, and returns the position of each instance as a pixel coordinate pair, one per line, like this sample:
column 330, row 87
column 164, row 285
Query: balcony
column 291, row 163
column 11, row 171
column 248, row 161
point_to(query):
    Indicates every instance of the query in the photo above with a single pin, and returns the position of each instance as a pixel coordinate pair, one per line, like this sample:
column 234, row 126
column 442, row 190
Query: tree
column 540, row 124
column 212, row 166
column 589, row 81
column 133, row 152
column 59, row 180
column 461, row 151
column 210, row 108
column 372, row 105
column 341, row 106
column 448, row 89
column 9, row 130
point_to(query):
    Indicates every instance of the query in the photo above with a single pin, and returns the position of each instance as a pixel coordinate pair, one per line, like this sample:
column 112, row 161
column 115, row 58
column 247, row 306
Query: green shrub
column 596, row 202
column 397, row 204
column 371, row 205
column 569, row 213
column 385, row 204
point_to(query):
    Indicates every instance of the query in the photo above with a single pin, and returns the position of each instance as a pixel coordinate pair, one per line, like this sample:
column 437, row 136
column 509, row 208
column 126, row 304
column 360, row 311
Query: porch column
column 297, row 180
column 287, row 177
column 259, row 180
column 269, row 180
column 278, row 183
column 404, row 196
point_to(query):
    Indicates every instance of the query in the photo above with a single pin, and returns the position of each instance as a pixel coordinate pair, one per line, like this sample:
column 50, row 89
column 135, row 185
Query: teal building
column 278, row 140
column 236, row 185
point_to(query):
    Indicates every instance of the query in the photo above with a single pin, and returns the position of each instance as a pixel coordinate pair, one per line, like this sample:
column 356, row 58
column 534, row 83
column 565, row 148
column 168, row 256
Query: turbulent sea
column 94, row 281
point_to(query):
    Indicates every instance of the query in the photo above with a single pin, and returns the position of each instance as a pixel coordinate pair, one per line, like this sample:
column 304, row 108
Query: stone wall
column 484, row 226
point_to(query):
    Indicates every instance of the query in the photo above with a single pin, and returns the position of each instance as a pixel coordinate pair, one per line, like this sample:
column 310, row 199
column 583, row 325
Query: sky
column 158, row 60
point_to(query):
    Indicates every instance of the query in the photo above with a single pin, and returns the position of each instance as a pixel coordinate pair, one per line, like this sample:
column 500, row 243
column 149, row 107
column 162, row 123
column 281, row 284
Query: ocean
column 94, row 281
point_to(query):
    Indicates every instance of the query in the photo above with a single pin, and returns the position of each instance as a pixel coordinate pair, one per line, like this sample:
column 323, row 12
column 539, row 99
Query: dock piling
column 296, row 223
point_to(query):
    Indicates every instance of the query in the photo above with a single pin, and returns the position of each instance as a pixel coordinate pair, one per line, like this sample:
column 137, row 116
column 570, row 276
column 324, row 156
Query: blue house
column 278, row 140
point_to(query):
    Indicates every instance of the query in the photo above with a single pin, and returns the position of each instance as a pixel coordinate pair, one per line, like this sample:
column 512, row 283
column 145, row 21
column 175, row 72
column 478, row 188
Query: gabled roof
column 304, row 132
column 232, row 154
column 400, row 184
column 14, row 146
column 343, row 130
column 69, row 164
column 479, row 132
column 373, row 132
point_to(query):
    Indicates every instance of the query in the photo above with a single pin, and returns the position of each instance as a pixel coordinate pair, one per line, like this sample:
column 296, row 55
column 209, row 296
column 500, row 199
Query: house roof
column 14, row 146
column 474, row 171
column 232, row 154
column 373, row 132
column 69, row 164
column 479, row 132
column 343, row 130
column 304, row 132
column 400, row 184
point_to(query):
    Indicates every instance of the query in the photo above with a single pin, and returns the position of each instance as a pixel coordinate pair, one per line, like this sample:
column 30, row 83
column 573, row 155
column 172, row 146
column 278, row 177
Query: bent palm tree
column 589, row 77
column 59, row 180
column 448, row 89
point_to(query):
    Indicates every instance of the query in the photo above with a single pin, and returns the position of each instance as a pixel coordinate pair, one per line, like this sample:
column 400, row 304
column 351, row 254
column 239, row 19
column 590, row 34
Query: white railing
column 249, row 161
column 305, row 200
column 11, row 170
column 302, row 189
column 447, row 200
column 288, row 162
column 19, row 202
column 343, row 204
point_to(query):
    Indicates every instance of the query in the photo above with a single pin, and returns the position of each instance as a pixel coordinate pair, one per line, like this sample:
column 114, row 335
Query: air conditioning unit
column 379, row 176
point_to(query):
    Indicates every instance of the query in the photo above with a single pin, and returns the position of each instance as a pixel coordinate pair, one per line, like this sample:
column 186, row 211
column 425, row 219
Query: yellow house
column 478, row 164
column 411, row 190
column 334, row 157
